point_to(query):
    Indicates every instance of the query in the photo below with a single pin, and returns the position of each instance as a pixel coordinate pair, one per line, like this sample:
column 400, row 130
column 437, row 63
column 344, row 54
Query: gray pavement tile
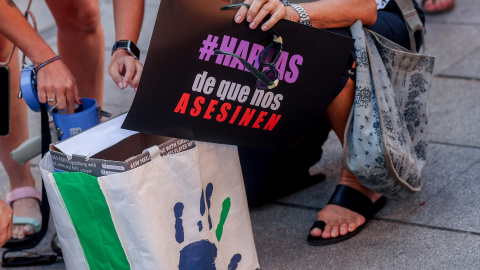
column 280, row 237
column 468, row 67
column 444, row 165
column 465, row 12
column 456, row 206
column 450, row 43
column 454, row 111
column 44, row 246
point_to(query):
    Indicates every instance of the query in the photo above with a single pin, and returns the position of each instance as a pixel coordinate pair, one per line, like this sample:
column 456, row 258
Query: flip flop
column 351, row 199
column 17, row 194
column 436, row 9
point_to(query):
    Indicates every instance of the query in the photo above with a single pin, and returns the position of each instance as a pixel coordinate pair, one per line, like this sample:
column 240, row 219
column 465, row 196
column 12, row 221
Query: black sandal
column 351, row 199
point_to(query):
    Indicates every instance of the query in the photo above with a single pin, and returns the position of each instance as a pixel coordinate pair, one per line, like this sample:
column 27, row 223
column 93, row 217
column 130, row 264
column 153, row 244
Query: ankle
column 348, row 179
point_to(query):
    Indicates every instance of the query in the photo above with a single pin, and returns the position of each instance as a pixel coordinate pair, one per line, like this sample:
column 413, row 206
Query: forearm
column 128, row 19
column 337, row 13
column 17, row 29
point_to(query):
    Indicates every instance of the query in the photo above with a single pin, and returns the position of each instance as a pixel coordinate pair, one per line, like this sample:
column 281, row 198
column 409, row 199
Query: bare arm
column 54, row 81
column 124, row 69
column 323, row 13
column 20, row 32
column 338, row 13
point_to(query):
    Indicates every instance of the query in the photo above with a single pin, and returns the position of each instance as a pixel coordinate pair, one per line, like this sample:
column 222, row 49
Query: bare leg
column 81, row 43
column 20, row 176
column 340, row 220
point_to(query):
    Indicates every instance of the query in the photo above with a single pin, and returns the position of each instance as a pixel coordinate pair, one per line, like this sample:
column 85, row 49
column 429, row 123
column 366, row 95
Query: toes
column 18, row 232
column 352, row 226
column 335, row 231
column 327, row 231
column 344, row 229
column 316, row 232
column 28, row 230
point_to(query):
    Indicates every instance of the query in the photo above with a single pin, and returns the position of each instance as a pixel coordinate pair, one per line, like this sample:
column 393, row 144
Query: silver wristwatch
column 304, row 19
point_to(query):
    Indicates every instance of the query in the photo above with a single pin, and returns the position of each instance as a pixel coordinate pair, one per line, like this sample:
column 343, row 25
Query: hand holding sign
column 189, row 92
column 257, row 12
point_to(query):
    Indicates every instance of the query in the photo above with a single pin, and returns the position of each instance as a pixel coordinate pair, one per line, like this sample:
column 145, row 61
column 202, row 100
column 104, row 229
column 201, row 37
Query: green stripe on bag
column 91, row 218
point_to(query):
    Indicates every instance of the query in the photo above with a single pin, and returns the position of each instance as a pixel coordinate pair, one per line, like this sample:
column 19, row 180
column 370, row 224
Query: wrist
column 127, row 46
column 292, row 14
column 301, row 13
column 120, row 53
column 41, row 58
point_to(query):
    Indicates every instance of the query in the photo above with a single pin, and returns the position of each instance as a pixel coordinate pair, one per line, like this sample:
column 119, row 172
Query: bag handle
column 413, row 22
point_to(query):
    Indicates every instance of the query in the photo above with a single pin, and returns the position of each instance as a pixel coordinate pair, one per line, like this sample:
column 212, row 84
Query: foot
column 26, row 207
column 437, row 6
column 339, row 220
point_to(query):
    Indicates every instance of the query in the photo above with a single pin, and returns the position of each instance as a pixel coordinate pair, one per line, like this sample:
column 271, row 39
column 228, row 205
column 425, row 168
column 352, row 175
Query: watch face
column 133, row 49
column 127, row 45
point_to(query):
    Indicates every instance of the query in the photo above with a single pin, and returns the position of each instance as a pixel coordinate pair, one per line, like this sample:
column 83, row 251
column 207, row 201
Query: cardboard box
column 110, row 154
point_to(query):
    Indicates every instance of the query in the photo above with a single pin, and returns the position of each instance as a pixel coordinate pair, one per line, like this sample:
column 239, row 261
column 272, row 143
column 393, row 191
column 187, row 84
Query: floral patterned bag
column 386, row 133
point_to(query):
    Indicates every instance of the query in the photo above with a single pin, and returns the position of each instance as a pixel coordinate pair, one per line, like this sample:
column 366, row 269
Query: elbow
column 370, row 15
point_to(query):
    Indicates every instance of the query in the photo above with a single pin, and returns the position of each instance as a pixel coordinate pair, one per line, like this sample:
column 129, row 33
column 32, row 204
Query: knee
column 84, row 18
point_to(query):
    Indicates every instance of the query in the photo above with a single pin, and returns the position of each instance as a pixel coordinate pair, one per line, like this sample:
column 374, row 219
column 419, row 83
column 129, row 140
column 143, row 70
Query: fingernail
column 249, row 18
column 252, row 25
column 238, row 19
column 120, row 85
column 135, row 90
column 79, row 101
column 264, row 27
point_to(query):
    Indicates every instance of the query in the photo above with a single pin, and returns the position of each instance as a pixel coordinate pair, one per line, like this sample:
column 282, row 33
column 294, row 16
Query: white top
column 381, row 3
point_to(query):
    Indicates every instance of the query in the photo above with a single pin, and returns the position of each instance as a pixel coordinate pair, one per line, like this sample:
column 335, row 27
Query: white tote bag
column 183, row 211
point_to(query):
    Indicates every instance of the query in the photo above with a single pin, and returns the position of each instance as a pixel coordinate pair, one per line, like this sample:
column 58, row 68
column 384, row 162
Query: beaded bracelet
column 47, row 62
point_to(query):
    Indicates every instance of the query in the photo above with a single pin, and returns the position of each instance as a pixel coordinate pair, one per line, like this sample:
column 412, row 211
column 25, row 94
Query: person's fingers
column 76, row 95
column 115, row 71
column 129, row 63
column 252, row 17
column 71, row 98
column 138, row 73
column 60, row 98
column 278, row 14
column 265, row 10
column 51, row 96
column 241, row 13
column 41, row 90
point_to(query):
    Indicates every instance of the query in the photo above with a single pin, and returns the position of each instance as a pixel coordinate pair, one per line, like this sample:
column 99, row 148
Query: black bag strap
column 44, row 209
column 414, row 24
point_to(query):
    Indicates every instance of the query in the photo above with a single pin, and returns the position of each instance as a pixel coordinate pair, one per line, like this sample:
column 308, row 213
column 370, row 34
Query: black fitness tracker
column 127, row 45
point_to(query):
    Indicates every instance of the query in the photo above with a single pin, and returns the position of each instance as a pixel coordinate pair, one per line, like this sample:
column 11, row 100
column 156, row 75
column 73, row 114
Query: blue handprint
column 201, row 255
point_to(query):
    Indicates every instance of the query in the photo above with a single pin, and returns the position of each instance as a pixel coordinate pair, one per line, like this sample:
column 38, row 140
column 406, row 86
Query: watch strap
column 304, row 19
column 127, row 45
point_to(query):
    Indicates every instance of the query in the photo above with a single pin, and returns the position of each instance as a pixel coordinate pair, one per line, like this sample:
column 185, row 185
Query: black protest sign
column 186, row 91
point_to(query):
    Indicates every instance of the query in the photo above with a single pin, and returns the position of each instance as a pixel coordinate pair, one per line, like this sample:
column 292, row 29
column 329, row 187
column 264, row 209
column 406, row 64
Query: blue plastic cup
column 68, row 125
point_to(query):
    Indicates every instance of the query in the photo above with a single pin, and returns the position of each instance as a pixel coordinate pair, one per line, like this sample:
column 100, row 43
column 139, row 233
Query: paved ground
column 439, row 228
